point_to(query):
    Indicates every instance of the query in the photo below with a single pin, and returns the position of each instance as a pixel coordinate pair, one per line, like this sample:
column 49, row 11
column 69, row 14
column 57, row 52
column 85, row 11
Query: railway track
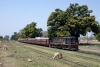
column 65, row 61
column 79, row 56
column 23, row 58
column 45, row 54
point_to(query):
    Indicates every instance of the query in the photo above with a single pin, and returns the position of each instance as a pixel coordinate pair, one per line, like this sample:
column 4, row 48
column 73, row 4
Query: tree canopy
column 75, row 20
column 1, row 37
column 6, row 37
column 30, row 31
column 14, row 36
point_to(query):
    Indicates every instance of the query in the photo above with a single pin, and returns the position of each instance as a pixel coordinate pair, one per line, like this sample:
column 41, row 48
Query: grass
column 42, row 57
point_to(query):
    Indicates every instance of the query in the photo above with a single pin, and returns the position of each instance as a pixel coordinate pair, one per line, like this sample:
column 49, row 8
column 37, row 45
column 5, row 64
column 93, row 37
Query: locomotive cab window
column 68, row 40
column 64, row 40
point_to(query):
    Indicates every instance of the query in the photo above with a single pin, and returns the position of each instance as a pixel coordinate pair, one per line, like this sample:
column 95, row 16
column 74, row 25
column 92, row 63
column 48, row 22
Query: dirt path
column 6, row 57
column 90, row 50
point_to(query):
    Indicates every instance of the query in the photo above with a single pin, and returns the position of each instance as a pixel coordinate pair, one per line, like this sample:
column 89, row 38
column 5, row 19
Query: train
column 69, row 43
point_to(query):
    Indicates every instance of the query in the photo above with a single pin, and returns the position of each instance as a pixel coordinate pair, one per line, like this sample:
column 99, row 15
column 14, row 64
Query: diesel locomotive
column 70, row 43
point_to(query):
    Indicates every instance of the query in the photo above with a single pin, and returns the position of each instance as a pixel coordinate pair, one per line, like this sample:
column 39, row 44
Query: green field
column 18, row 54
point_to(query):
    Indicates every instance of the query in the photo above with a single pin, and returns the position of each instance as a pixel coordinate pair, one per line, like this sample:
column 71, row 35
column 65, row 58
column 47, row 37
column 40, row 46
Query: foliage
column 38, row 30
column 30, row 31
column 6, row 37
column 92, row 37
column 14, row 36
column 98, row 36
column 75, row 20
column 84, row 37
column 1, row 37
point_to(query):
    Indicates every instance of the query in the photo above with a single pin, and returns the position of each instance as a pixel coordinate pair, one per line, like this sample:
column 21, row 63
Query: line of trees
column 30, row 31
column 76, row 20
column 5, row 38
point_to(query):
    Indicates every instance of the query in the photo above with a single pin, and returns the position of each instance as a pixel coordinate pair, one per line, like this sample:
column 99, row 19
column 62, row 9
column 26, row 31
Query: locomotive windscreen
column 69, row 40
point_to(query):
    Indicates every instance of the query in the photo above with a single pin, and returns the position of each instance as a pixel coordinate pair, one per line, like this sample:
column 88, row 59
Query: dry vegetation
column 26, row 55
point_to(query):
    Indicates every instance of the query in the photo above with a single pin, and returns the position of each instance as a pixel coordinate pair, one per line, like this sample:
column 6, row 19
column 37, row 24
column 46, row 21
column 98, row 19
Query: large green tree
column 75, row 20
column 30, row 31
